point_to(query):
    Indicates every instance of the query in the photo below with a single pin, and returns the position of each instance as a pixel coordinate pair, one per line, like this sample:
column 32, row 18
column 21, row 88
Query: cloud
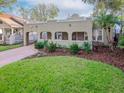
column 68, row 4
column 72, row 4
column 66, row 7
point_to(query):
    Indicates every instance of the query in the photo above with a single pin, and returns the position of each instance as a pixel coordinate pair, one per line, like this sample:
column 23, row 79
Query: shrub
column 39, row 45
column 59, row 46
column 45, row 43
column 74, row 48
column 51, row 47
column 87, row 47
column 121, row 41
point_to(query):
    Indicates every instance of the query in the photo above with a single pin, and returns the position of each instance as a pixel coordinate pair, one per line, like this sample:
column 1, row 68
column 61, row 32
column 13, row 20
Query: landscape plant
column 45, row 43
column 74, row 48
column 39, row 45
column 52, row 47
column 87, row 47
column 121, row 41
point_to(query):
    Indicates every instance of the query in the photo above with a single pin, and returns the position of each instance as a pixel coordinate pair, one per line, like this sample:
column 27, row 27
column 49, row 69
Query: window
column 85, row 36
column 61, row 35
column 45, row 35
column 99, row 35
column 79, row 36
column 58, row 35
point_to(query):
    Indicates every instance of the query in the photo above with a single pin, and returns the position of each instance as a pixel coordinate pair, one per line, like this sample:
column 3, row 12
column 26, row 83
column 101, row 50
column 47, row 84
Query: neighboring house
column 11, row 29
column 100, row 36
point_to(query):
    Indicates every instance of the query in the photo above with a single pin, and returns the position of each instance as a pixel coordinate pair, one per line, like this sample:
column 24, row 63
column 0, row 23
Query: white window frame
column 97, row 34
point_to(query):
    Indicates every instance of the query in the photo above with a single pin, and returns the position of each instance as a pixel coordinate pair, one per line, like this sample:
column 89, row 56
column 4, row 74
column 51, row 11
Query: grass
column 7, row 47
column 60, row 75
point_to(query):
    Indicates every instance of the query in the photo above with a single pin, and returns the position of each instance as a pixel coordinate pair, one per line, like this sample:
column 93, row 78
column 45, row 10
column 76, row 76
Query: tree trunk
column 107, row 35
column 110, row 43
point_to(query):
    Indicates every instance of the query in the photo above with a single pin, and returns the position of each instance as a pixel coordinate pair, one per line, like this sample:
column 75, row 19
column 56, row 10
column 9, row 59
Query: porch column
column 12, row 31
column 12, row 39
column 53, row 36
column 90, row 38
column 38, row 34
column 3, row 35
column 26, row 38
column 70, row 36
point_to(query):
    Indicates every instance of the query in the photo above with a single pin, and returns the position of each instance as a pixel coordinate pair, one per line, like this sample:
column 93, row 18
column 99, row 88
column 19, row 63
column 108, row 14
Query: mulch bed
column 103, row 54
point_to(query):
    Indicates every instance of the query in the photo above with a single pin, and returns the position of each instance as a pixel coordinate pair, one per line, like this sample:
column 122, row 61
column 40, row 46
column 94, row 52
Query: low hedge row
column 74, row 48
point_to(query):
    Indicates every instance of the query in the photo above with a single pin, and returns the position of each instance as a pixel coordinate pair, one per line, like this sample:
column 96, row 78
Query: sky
column 66, row 7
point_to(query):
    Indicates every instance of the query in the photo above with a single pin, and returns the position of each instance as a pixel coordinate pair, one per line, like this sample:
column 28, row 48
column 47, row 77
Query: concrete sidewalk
column 13, row 55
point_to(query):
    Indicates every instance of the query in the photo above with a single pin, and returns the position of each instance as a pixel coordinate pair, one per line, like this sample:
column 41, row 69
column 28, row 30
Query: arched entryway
column 31, row 37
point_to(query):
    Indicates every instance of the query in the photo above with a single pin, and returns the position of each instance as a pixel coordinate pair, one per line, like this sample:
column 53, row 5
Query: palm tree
column 106, row 21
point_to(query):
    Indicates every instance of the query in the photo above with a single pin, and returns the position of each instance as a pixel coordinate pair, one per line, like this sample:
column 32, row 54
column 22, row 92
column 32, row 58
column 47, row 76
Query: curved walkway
column 13, row 55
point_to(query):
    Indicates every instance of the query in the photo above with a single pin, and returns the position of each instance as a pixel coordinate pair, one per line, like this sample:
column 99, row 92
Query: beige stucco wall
column 61, row 26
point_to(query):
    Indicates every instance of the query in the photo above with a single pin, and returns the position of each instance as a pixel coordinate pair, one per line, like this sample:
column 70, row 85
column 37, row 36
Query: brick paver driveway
column 13, row 55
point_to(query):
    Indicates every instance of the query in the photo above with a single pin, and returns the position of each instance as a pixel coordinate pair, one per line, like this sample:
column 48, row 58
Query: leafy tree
column 39, row 12
column 5, row 3
column 24, row 12
column 44, row 12
column 111, row 6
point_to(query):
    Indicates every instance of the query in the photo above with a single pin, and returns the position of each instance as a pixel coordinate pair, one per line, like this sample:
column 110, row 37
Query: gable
column 10, row 20
column 3, row 24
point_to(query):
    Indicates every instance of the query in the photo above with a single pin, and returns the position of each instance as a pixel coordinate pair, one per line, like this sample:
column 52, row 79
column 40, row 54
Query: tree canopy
column 40, row 12
column 44, row 12
column 111, row 6
column 5, row 3
column 105, row 21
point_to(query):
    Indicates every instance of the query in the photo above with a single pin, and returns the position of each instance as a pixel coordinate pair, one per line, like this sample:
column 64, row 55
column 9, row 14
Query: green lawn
column 60, row 75
column 7, row 47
